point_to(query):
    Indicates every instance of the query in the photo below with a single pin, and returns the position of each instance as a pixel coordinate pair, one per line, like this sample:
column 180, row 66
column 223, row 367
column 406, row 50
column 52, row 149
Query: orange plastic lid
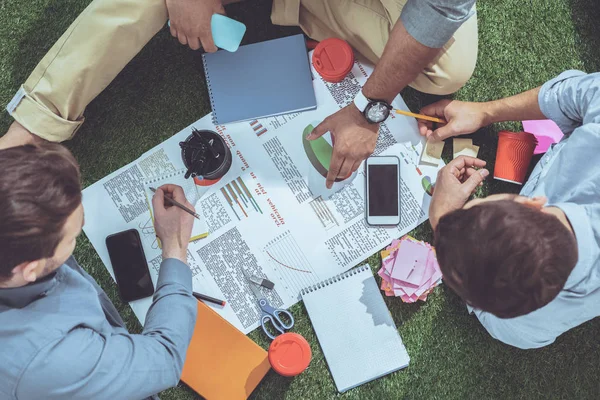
column 333, row 59
column 289, row 354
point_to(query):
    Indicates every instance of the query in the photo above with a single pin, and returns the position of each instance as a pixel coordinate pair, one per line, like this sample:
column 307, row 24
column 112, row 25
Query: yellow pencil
column 420, row 116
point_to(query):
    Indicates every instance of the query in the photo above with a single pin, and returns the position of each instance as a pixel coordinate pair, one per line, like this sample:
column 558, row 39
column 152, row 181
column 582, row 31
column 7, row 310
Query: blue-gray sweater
column 62, row 338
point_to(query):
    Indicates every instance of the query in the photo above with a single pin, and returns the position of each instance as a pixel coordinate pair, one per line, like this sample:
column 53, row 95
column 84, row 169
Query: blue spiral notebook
column 260, row 80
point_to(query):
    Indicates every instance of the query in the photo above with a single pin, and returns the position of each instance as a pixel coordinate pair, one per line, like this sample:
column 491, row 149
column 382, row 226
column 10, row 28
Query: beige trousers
column 366, row 25
column 109, row 33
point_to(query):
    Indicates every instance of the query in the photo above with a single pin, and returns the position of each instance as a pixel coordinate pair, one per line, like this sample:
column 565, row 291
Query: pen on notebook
column 177, row 204
column 204, row 297
column 421, row 116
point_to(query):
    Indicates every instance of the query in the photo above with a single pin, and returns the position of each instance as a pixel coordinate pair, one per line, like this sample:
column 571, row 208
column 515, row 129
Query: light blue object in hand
column 227, row 33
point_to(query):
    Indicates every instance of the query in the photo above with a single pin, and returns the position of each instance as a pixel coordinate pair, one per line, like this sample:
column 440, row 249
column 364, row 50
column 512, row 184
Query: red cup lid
column 289, row 354
column 333, row 59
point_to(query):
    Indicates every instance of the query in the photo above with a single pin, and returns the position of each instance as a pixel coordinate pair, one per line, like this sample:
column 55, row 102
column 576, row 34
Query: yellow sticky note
column 464, row 147
column 460, row 144
column 432, row 153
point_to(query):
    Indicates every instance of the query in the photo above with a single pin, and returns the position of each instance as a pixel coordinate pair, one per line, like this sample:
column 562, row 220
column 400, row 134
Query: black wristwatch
column 374, row 111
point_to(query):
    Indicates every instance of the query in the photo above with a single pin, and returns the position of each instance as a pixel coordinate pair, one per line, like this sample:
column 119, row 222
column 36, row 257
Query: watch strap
column 361, row 101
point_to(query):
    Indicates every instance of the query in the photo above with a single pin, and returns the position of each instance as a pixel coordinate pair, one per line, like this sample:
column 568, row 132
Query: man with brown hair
column 527, row 265
column 60, row 335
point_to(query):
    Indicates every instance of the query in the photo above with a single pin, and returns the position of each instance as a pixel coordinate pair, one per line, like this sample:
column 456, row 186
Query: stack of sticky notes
column 409, row 270
column 432, row 154
column 464, row 147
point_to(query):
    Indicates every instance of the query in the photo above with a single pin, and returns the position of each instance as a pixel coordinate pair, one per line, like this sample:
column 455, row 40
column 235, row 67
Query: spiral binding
column 163, row 177
column 334, row 279
column 210, row 94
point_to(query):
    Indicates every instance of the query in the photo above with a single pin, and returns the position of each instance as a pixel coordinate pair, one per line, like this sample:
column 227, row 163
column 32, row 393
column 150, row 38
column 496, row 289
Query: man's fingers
column 208, row 44
column 436, row 109
column 346, row 169
column 182, row 38
column 175, row 192
column 158, row 202
column 173, row 31
column 356, row 165
column 334, row 168
column 467, row 162
column 194, row 43
column 469, row 172
column 424, row 127
column 442, row 133
column 319, row 130
column 474, row 180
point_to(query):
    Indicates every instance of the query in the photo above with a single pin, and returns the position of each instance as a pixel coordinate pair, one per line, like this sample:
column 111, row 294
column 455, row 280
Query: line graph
column 285, row 265
column 288, row 261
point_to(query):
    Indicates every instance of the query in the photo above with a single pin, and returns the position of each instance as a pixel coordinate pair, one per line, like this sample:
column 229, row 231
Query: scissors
column 270, row 316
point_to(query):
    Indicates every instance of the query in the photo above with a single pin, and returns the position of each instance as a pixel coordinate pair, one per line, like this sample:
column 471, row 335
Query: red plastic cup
column 515, row 150
column 333, row 58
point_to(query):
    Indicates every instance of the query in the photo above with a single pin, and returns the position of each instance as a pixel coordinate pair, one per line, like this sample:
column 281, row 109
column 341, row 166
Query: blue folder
column 260, row 80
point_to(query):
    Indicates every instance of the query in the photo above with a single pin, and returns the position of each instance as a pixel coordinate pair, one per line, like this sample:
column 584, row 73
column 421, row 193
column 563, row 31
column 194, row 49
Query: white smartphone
column 383, row 190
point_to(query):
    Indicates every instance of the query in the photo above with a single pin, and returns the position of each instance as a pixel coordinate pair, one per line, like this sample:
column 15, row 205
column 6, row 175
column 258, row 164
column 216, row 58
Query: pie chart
column 318, row 151
column 427, row 186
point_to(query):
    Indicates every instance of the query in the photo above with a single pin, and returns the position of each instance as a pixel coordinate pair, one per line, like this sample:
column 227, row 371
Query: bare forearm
column 402, row 60
column 524, row 106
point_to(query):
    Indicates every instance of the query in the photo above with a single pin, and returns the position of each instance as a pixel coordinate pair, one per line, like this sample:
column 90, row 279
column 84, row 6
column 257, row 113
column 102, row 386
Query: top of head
column 504, row 257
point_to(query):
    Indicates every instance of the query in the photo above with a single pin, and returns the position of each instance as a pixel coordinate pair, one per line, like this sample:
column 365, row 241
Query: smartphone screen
column 129, row 265
column 383, row 206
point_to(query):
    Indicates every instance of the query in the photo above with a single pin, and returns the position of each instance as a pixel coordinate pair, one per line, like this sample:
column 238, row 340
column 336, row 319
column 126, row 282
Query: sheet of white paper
column 281, row 230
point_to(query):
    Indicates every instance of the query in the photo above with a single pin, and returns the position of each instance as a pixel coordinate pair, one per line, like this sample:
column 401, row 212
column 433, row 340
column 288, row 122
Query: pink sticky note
column 546, row 131
column 405, row 287
column 410, row 256
column 388, row 263
column 394, row 244
column 383, row 274
column 383, row 285
column 433, row 277
column 410, row 299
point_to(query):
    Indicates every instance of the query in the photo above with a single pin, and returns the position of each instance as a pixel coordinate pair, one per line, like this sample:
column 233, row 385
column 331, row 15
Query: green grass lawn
column 522, row 43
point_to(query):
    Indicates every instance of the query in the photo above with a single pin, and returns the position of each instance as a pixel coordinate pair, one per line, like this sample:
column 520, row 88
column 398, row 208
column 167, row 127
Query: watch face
column 377, row 112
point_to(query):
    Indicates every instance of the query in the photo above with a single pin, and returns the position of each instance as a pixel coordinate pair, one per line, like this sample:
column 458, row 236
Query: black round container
column 205, row 155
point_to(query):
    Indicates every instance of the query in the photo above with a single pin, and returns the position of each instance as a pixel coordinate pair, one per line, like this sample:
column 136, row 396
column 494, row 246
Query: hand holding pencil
column 172, row 223
column 459, row 118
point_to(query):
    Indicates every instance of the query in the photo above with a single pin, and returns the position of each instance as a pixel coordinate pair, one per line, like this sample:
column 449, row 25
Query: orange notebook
column 221, row 362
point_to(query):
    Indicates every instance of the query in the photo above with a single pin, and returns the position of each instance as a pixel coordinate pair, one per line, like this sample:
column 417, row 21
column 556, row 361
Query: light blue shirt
column 62, row 338
column 569, row 176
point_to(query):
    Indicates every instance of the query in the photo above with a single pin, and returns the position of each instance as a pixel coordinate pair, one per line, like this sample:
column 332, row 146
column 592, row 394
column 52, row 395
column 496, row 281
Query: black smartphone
column 129, row 265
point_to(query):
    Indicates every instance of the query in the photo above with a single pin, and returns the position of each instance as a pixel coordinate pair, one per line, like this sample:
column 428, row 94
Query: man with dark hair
column 60, row 336
column 527, row 265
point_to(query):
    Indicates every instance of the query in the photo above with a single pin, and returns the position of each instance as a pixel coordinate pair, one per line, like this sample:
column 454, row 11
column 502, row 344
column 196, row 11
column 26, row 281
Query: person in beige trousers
column 430, row 45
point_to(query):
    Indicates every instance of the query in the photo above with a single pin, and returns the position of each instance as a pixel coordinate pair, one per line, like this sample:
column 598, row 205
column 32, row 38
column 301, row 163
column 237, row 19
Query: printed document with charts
column 263, row 215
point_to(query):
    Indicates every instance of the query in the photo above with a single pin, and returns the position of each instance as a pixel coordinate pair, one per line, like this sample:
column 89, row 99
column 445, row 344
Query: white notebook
column 200, row 230
column 355, row 329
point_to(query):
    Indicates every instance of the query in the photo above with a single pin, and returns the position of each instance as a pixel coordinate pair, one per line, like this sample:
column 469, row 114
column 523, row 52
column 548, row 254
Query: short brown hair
column 40, row 189
column 504, row 257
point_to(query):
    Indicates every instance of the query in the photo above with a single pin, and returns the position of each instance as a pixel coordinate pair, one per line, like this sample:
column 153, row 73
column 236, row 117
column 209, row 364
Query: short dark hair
column 40, row 188
column 504, row 257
